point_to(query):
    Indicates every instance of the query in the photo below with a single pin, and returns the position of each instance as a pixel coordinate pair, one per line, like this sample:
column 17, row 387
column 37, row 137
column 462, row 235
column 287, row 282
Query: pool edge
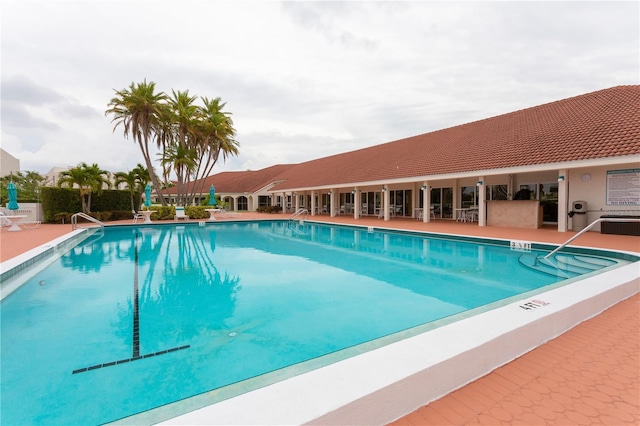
column 367, row 389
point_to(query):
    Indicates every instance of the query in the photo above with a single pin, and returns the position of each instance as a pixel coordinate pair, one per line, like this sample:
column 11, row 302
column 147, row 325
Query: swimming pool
column 145, row 316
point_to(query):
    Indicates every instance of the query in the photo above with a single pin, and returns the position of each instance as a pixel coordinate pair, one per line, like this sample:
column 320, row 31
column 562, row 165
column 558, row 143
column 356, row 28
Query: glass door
column 447, row 203
column 401, row 202
column 549, row 202
column 442, row 202
column 469, row 196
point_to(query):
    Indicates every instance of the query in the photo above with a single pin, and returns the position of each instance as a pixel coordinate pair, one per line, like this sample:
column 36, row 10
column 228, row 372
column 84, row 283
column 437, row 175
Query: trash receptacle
column 578, row 216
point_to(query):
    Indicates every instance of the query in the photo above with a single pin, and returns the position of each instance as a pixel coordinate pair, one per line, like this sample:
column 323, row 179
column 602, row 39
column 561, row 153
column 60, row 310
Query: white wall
column 594, row 191
column 8, row 163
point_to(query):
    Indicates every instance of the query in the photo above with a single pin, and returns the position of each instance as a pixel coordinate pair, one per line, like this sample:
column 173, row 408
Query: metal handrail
column 74, row 220
column 602, row 219
column 298, row 213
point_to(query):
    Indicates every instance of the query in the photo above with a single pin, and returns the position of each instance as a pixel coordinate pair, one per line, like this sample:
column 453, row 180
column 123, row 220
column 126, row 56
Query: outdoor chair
column 29, row 224
column 473, row 214
column 25, row 224
column 228, row 213
column 3, row 220
column 137, row 216
column 180, row 214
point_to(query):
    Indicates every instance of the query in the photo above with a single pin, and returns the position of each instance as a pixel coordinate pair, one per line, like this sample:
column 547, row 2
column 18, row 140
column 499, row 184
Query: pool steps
column 565, row 265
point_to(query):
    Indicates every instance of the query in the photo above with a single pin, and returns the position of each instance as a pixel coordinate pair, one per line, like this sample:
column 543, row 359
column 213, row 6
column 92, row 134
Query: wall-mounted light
column 329, row 193
column 479, row 183
column 353, row 191
column 384, row 189
column 423, row 187
column 561, row 178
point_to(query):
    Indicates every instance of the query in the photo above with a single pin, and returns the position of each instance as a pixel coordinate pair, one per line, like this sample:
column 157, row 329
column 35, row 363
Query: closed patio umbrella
column 13, row 196
column 212, row 196
column 147, row 195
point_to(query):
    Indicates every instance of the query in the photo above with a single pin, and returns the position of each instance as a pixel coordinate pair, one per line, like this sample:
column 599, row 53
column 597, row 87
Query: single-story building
column 564, row 163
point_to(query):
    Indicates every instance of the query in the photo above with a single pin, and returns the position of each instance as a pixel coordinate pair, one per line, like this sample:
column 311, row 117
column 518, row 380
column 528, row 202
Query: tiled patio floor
column 588, row 376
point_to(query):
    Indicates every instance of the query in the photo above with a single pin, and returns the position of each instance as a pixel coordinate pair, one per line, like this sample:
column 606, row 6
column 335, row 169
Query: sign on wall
column 623, row 187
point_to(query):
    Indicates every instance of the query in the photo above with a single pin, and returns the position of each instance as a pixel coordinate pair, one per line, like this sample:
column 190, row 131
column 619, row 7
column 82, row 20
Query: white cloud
column 302, row 79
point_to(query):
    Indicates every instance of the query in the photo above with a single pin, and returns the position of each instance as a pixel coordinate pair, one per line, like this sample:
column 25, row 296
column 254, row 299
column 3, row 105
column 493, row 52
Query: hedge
column 59, row 204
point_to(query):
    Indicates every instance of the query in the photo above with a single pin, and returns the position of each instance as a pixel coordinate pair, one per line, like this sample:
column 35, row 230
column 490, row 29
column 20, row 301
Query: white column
column 297, row 200
column 563, row 200
column 385, row 202
column 482, row 203
column 313, row 203
column 333, row 194
column 426, row 202
column 283, row 197
column 356, row 203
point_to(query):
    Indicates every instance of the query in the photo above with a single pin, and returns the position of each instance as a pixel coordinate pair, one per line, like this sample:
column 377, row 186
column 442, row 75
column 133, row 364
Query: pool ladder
column 74, row 220
column 602, row 219
column 296, row 222
column 299, row 213
column 567, row 265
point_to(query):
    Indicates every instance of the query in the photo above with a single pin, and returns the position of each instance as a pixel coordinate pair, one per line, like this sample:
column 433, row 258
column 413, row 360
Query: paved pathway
column 587, row 376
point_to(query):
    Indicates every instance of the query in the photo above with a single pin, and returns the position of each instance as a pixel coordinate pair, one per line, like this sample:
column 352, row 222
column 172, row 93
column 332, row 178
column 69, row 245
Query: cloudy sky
column 302, row 79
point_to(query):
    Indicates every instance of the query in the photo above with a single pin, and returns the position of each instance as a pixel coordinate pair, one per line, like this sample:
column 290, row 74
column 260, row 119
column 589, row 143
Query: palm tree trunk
column 154, row 179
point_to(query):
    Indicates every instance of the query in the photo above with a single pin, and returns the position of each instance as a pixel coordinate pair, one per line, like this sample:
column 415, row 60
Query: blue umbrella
column 13, row 196
column 147, row 195
column 212, row 196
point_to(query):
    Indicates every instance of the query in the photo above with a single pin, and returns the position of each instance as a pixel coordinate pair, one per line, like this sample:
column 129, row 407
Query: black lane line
column 136, row 327
column 122, row 361
column 136, row 305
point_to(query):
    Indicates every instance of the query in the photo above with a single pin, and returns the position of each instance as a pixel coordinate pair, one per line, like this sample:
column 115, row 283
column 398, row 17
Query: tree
column 191, row 138
column 180, row 153
column 135, row 180
column 88, row 178
column 181, row 160
column 138, row 110
column 215, row 137
column 28, row 184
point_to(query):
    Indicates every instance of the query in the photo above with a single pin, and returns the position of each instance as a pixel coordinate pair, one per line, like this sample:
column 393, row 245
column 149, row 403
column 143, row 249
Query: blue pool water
column 144, row 316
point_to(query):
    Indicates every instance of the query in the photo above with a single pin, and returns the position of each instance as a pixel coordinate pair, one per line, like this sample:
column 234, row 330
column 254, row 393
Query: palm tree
column 88, row 178
column 180, row 153
column 143, row 174
column 182, row 160
column 215, row 137
column 135, row 180
column 139, row 110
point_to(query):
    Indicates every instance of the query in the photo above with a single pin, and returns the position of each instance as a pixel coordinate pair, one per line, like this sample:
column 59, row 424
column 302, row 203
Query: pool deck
column 588, row 375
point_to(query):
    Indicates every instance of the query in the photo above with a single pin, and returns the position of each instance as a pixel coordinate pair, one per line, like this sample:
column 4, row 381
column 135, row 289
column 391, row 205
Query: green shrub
column 269, row 209
column 62, row 217
column 58, row 202
column 196, row 212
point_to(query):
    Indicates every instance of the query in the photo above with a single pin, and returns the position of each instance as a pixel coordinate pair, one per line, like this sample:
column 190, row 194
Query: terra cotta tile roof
column 595, row 125
column 239, row 182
